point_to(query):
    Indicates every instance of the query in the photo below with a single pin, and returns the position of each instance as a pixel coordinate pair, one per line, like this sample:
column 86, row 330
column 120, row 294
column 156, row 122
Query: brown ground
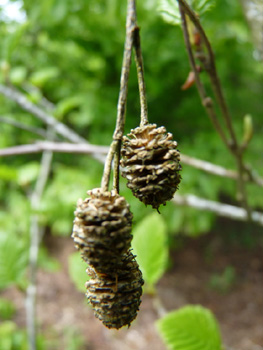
column 237, row 301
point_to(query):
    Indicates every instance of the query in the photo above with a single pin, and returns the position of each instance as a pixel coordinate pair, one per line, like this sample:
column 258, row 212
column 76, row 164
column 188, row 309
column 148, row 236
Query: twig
column 140, row 74
column 47, row 118
column 59, row 147
column 63, row 147
column 122, row 101
column 37, row 131
column 206, row 101
column 210, row 67
column 224, row 210
column 35, row 238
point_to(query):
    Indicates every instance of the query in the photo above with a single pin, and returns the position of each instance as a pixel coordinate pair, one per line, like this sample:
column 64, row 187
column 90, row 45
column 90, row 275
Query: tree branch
column 35, row 239
column 37, row 131
column 47, row 118
column 224, row 210
column 59, row 147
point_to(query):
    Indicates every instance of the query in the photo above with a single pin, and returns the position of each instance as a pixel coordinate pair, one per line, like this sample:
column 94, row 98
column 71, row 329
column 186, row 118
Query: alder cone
column 116, row 297
column 102, row 229
column 151, row 164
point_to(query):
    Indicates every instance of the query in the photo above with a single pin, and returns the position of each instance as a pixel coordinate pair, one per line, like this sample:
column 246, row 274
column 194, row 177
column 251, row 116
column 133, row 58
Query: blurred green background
column 70, row 54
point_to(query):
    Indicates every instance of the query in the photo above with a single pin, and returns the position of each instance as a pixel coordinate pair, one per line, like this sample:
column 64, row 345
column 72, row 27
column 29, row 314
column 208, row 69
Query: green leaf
column 169, row 9
column 28, row 173
column 41, row 77
column 66, row 105
column 77, row 271
column 150, row 247
column 18, row 75
column 192, row 327
column 13, row 259
column 7, row 309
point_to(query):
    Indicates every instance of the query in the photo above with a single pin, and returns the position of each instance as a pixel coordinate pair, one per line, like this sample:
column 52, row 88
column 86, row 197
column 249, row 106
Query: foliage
column 151, row 248
column 223, row 282
column 192, row 327
column 169, row 9
column 7, row 309
column 13, row 260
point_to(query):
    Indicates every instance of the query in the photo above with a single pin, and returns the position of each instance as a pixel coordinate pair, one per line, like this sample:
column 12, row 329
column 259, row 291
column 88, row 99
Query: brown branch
column 122, row 101
column 210, row 67
column 206, row 101
column 140, row 74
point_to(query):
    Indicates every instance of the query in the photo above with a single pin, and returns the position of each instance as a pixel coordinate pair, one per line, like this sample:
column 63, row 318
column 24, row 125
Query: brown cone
column 116, row 297
column 150, row 163
column 102, row 229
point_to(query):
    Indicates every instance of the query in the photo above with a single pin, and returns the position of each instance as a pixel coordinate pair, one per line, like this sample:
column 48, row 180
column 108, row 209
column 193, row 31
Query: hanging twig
column 140, row 74
column 206, row 101
column 122, row 101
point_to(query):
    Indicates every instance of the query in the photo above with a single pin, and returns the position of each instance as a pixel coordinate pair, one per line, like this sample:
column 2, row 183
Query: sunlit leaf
column 150, row 247
column 190, row 328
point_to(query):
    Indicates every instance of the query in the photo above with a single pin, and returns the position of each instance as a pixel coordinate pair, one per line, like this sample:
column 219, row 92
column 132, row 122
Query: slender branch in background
column 206, row 101
column 210, row 67
column 63, row 147
column 48, row 119
column 224, row 210
column 59, row 147
column 37, row 131
column 140, row 74
column 35, row 239
column 122, row 101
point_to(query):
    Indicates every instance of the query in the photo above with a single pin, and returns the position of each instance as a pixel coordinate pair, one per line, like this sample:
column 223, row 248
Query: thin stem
column 37, row 131
column 122, row 101
column 140, row 74
column 211, row 69
column 206, row 101
column 63, row 147
column 116, row 179
column 35, row 239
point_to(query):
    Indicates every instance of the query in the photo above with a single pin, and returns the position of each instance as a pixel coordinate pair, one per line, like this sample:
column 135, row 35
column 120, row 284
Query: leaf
column 151, row 248
column 28, row 173
column 7, row 309
column 192, row 327
column 42, row 76
column 13, row 259
column 67, row 104
column 77, row 271
column 169, row 9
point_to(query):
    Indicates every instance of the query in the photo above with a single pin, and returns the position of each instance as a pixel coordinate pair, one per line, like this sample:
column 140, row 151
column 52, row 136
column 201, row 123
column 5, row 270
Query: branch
column 224, row 210
column 206, row 101
column 211, row 69
column 37, row 131
column 47, row 118
column 122, row 101
column 140, row 74
column 59, row 147
column 35, row 239
column 63, row 147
